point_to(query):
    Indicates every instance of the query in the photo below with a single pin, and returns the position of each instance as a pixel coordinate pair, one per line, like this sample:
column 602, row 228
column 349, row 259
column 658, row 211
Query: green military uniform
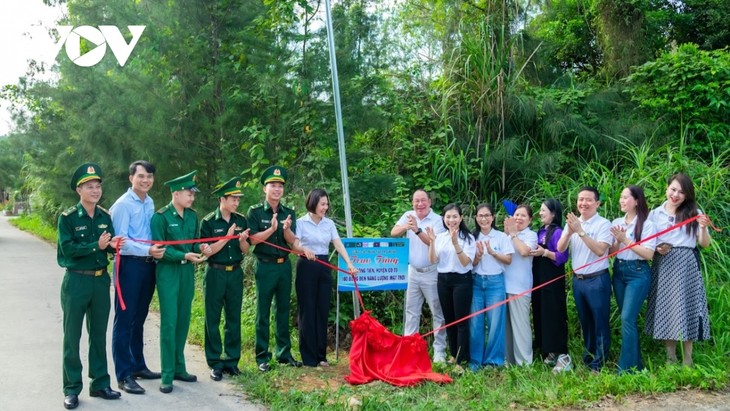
column 85, row 287
column 223, row 284
column 175, row 278
column 273, row 274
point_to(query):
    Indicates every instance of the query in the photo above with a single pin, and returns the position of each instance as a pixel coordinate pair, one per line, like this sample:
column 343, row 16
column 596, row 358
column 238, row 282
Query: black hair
column 592, row 190
column 642, row 209
column 477, row 227
column 313, row 199
column 526, row 207
column 556, row 208
column 688, row 208
column 463, row 229
column 145, row 164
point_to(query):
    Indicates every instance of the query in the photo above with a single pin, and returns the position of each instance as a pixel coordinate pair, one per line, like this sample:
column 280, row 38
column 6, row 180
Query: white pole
column 340, row 134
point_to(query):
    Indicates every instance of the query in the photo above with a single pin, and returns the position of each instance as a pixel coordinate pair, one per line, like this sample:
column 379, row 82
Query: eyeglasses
column 483, row 216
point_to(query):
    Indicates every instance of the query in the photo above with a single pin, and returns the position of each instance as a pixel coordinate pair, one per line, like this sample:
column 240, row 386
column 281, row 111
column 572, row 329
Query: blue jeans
column 488, row 290
column 631, row 280
column 592, row 301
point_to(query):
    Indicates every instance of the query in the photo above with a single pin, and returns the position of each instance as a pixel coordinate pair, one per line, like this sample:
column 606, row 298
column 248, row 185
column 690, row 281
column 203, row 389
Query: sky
column 23, row 36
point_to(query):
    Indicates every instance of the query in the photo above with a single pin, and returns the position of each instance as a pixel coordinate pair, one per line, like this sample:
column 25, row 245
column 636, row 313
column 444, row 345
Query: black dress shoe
column 146, row 374
column 216, row 374
column 130, row 385
column 106, row 393
column 290, row 362
column 232, row 371
column 71, row 401
column 186, row 377
column 165, row 388
column 264, row 367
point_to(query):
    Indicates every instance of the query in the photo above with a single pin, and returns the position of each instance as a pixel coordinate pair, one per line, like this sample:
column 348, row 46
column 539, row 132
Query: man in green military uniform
column 85, row 239
column 175, row 276
column 223, row 283
column 275, row 223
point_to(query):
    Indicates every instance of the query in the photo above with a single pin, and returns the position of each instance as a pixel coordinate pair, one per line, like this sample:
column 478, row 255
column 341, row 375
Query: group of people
column 158, row 250
column 497, row 278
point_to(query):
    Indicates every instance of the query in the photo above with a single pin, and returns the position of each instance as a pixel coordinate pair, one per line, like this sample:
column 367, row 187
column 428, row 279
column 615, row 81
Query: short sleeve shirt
column 500, row 243
column 518, row 275
column 316, row 236
column 448, row 261
column 597, row 228
column 417, row 250
column 677, row 237
column 647, row 231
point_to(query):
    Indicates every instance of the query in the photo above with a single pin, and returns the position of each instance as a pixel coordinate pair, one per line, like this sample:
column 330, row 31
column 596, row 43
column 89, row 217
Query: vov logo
column 71, row 38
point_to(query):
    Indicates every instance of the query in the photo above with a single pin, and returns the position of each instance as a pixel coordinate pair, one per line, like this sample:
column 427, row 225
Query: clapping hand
column 574, row 225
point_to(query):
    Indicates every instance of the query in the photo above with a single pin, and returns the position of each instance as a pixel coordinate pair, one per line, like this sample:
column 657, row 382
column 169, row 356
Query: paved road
column 31, row 334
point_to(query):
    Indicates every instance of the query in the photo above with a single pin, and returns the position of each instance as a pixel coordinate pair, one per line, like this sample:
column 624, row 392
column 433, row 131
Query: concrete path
column 31, row 335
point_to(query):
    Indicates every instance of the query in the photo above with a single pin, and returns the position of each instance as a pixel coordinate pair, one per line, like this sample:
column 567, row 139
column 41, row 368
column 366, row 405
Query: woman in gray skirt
column 677, row 302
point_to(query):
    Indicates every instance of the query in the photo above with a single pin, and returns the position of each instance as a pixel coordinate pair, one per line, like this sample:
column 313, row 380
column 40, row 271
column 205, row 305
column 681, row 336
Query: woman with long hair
column 314, row 280
column 454, row 252
column 549, row 307
column 677, row 301
column 494, row 252
column 631, row 272
column 518, row 279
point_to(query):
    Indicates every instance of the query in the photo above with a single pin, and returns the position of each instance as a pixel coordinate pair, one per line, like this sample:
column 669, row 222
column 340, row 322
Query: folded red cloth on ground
column 378, row 354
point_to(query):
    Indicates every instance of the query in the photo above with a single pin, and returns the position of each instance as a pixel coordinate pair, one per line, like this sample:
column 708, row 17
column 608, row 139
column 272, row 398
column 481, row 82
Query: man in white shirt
column 589, row 238
column 422, row 275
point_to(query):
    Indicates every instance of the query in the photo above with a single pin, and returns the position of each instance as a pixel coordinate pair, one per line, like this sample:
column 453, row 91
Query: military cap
column 85, row 172
column 186, row 182
column 231, row 187
column 274, row 174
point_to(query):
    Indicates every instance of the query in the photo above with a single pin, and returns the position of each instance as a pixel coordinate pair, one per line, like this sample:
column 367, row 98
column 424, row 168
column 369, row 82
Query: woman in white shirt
column 631, row 271
column 677, row 302
column 453, row 251
column 494, row 252
column 314, row 280
column 517, row 280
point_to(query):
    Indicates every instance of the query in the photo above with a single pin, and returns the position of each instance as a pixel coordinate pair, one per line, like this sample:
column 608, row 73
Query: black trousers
column 314, row 289
column 455, row 292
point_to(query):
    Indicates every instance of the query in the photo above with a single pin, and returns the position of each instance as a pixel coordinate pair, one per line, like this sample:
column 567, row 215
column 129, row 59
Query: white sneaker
column 439, row 358
column 563, row 364
column 551, row 359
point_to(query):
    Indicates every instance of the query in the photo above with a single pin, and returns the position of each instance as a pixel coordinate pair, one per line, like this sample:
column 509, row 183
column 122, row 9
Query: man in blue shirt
column 131, row 216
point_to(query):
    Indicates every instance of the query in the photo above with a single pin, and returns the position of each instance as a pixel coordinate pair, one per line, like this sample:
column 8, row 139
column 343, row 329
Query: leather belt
column 146, row 259
column 425, row 269
column 224, row 267
column 591, row 275
column 95, row 273
column 280, row 260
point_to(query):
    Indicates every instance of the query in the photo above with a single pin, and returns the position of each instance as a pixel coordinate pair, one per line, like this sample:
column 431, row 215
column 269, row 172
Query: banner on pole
column 382, row 262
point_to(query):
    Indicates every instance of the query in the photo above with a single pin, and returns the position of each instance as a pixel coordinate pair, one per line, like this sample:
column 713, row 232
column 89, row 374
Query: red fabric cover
column 378, row 354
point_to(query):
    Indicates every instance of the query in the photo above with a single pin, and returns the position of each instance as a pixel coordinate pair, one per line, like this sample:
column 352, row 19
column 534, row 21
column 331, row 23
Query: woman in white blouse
column 677, row 308
column 631, row 271
column 453, row 252
column 518, row 279
column 314, row 280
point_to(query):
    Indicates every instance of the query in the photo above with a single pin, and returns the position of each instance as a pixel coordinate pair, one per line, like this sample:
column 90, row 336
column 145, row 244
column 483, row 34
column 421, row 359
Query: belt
column 95, row 273
column 591, row 275
column 146, row 259
column 425, row 269
column 224, row 267
column 280, row 260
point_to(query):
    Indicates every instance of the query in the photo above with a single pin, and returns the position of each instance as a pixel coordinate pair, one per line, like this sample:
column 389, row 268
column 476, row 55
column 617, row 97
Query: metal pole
column 340, row 134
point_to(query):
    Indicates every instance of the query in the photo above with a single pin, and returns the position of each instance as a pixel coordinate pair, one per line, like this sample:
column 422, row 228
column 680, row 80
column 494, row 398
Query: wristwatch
column 582, row 234
column 419, row 231
column 513, row 236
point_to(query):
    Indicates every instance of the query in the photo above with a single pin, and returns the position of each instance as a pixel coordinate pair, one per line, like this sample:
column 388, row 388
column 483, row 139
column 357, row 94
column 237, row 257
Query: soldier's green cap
column 274, row 174
column 85, row 172
column 186, row 182
column 231, row 187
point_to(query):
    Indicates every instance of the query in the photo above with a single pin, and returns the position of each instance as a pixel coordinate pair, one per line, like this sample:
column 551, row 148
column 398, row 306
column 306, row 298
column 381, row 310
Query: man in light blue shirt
column 131, row 216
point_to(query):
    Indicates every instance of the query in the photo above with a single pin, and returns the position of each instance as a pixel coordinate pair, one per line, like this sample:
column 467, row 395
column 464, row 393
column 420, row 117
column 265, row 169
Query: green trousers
column 273, row 282
column 175, row 289
column 223, row 291
column 84, row 295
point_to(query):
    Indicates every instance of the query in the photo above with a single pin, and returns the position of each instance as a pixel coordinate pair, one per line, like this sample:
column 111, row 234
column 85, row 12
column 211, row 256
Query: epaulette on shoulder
column 163, row 209
column 239, row 214
column 259, row 205
column 69, row 211
column 103, row 209
column 209, row 216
